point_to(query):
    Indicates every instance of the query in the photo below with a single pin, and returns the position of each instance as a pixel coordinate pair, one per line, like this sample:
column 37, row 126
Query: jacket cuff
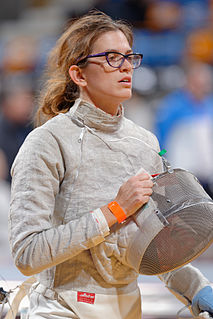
column 186, row 281
column 101, row 220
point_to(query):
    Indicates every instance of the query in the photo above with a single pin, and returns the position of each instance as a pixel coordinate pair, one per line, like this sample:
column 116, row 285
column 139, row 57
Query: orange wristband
column 117, row 211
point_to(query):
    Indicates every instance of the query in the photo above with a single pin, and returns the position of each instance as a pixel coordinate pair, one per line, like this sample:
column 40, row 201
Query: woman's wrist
column 110, row 218
column 113, row 213
column 117, row 211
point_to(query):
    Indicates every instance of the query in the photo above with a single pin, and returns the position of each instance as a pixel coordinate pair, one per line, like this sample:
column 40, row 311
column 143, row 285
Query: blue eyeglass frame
column 125, row 56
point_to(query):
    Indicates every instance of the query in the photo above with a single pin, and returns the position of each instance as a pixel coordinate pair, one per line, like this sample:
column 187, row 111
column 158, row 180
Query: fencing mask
column 177, row 228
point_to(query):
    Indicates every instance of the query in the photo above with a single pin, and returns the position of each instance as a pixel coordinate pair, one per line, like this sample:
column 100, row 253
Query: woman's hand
column 134, row 193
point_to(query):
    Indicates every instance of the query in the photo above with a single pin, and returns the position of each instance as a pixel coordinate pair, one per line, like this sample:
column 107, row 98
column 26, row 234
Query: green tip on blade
column 162, row 152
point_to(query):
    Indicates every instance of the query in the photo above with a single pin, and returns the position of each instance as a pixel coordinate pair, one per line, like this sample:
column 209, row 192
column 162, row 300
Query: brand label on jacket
column 87, row 297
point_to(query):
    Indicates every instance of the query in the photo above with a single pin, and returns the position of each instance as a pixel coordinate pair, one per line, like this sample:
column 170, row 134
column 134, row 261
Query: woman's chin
column 127, row 96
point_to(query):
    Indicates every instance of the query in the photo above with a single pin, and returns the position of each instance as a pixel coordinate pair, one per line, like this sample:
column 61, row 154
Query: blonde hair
column 60, row 92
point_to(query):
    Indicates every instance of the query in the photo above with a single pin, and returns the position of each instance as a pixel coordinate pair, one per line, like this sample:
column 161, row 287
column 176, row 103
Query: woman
column 75, row 180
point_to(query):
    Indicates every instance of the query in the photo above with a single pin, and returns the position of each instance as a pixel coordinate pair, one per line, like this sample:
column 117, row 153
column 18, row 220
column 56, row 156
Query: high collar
column 94, row 117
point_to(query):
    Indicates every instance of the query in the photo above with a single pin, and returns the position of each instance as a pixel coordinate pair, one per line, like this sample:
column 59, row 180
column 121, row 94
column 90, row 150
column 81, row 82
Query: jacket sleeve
column 36, row 243
column 185, row 282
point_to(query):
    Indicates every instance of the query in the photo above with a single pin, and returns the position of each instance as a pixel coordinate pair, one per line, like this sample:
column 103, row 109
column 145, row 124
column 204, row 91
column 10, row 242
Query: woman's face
column 104, row 85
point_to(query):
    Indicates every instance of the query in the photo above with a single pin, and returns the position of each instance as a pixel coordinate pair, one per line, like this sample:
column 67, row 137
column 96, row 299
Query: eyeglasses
column 116, row 59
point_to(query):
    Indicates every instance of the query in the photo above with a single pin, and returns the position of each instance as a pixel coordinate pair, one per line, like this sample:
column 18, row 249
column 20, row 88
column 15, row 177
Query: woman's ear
column 77, row 76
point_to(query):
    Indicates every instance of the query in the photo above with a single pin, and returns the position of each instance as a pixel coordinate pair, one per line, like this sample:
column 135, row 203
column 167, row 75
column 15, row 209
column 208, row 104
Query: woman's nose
column 126, row 66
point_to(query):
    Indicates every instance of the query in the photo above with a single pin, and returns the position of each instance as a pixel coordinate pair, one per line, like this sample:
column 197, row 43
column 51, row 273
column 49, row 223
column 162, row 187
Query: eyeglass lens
column 116, row 59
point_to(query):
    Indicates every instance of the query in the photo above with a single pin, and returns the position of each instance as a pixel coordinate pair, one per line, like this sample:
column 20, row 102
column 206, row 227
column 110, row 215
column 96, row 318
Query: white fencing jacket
column 64, row 172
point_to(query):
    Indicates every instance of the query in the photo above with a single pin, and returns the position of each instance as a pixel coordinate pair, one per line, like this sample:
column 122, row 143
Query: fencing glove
column 203, row 301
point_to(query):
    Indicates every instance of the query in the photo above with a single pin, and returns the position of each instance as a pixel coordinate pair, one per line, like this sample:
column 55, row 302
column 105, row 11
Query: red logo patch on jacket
column 87, row 297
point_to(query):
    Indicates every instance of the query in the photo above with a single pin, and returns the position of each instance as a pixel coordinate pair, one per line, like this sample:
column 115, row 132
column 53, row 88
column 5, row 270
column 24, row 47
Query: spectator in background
column 15, row 112
column 19, row 56
column 199, row 45
column 184, row 124
column 199, row 42
column 162, row 15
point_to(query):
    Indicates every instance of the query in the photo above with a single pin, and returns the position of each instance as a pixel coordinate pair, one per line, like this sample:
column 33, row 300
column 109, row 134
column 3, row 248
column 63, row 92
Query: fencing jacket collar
column 93, row 117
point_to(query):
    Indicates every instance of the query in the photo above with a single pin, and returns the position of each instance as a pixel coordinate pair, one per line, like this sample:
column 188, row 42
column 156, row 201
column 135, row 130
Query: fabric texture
column 64, row 172
column 43, row 305
column 185, row 282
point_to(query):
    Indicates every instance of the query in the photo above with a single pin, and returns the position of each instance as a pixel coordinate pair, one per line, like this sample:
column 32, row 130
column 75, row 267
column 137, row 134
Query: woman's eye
column 130, row 58
column 114, row 57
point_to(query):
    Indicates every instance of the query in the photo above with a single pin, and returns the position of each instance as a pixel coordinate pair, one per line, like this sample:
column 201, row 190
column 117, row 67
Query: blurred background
column 172, row 91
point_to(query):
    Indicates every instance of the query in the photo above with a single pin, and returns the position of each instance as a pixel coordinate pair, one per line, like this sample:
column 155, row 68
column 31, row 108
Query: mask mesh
column 181, row 199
